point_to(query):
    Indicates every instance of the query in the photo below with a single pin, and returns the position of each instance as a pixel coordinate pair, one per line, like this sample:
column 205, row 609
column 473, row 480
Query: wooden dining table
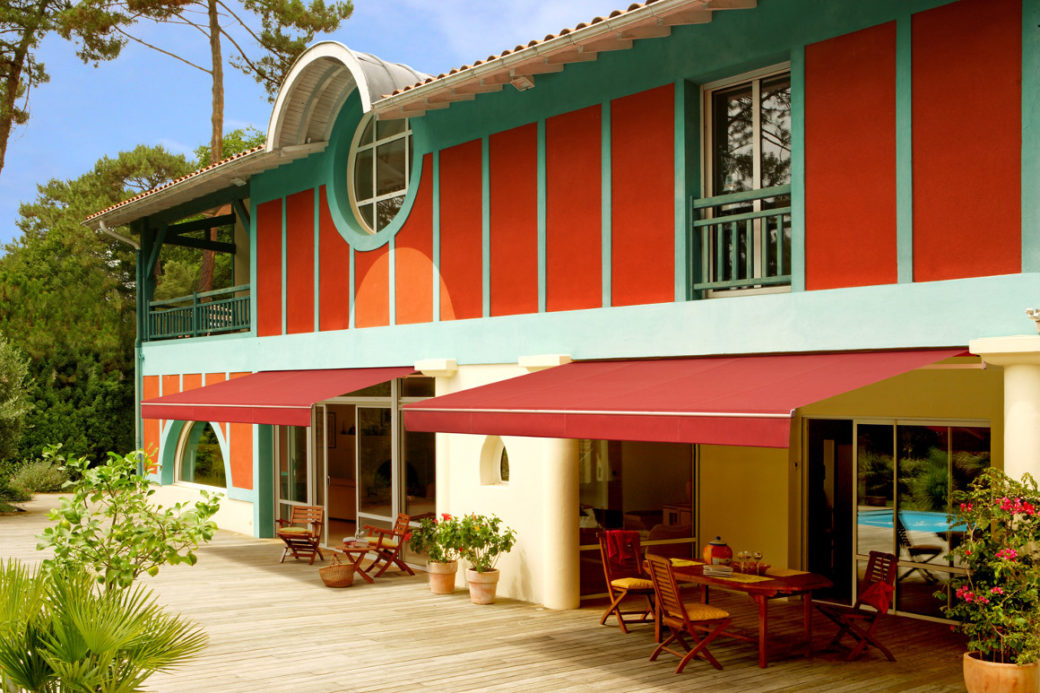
column 779, row 583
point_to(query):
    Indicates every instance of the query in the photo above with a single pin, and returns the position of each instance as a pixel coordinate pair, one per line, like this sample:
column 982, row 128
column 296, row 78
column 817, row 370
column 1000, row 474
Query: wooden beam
column 201, row 224
column 203, row 243
column 241, row 212
column 153, row 257
column 649, row 31
column 200, row 204
column 571, row 55
column 687, row 17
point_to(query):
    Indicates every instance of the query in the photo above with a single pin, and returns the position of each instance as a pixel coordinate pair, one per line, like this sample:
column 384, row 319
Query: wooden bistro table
column 355, row 554
column 778, row 583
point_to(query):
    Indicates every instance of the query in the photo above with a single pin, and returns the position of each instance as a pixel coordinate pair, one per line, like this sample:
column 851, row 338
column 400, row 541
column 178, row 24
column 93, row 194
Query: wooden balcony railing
column 743, row 240
column 201, row 314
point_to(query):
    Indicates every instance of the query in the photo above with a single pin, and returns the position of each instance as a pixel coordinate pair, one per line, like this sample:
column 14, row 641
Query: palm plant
column 60, row 631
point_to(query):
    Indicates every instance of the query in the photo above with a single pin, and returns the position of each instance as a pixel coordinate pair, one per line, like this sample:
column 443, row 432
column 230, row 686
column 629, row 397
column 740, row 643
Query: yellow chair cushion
column 294, row 530
column 704, row 612
column 632, row 583
column 387, row 543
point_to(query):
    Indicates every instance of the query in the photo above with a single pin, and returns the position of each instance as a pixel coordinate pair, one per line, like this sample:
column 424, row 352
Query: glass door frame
column 395, row 458
column 894, row 422
column 279, row 432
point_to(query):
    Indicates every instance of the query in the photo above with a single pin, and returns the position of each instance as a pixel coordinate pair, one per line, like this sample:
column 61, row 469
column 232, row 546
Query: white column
column 1020, row 358
column 560, row 524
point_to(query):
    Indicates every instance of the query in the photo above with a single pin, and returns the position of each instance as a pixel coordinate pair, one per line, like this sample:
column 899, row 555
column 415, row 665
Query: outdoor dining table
column 355, row 553
column 775, row 583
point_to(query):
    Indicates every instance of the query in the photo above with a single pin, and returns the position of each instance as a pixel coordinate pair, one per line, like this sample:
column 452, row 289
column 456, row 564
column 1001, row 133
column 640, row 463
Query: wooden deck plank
column 275, row 627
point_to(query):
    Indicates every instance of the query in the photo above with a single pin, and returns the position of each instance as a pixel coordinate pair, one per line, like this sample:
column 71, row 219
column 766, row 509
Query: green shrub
column 110, row 527
column 40, row 476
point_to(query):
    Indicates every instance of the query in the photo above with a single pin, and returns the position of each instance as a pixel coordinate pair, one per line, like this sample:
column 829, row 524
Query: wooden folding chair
column 623, row 569
column 876, row 592
column 684, row 619
column 387, row 545
column 302, row 532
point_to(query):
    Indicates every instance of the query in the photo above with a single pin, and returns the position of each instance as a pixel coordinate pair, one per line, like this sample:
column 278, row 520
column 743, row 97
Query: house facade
column 698, row 268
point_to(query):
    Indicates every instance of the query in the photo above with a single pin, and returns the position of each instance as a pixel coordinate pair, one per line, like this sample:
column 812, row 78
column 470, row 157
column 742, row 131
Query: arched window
column 200, row 460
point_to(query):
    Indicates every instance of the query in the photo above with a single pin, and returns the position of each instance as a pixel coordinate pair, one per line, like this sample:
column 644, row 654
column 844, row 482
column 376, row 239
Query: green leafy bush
column 998, row 600
column 483, row 539
column 110, row 527
column 440, row 539
column 45, row 475
column 60, row 632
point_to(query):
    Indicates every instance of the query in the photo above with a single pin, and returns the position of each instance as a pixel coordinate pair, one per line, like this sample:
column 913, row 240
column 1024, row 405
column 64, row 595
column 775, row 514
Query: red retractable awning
column 739, row 400
column 270, row 397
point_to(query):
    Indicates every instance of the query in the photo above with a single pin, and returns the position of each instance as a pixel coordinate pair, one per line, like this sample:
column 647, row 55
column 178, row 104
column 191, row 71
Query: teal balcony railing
column 198, row 315
column 742, row 240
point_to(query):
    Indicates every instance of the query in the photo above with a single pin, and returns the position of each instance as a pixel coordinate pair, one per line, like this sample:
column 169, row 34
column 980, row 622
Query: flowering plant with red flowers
column 440, row 539
column 483, row 539
column 998, row 599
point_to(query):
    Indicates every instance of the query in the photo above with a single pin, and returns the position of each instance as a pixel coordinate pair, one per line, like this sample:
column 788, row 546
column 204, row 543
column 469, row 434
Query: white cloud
column 175, row 147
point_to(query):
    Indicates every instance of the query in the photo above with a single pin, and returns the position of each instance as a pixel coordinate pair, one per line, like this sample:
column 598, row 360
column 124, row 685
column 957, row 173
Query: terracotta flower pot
column 442, row 576
column 482, row 586
column 993, row 677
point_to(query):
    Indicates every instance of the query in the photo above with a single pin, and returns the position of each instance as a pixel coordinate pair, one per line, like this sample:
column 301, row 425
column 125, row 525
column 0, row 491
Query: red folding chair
column 858, row 621
column 387, row 545
column 622, row 560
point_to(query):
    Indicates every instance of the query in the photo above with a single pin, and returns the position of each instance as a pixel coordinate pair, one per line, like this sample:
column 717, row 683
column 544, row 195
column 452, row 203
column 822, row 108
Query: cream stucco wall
column 234, row 515
column 521, row 503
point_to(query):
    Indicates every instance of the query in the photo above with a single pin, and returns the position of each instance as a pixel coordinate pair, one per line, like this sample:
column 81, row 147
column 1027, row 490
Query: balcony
column 742, row 241
column 199, row 315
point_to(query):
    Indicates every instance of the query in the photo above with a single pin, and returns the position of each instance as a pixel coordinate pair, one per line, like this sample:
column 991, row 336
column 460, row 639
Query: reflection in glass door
column 293, row 479
column 906, row 474
column 377, row 496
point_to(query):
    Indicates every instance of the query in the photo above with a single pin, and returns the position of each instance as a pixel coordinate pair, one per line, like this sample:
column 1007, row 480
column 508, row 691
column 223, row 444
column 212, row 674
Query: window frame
column 707, row 147
column 357, row 147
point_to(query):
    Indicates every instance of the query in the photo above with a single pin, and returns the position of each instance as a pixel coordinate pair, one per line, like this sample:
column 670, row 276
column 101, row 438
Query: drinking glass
column 757, row 557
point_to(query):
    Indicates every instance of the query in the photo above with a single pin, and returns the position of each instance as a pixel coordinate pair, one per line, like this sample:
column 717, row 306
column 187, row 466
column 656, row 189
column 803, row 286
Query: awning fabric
column 739, row 400
column 269, row 397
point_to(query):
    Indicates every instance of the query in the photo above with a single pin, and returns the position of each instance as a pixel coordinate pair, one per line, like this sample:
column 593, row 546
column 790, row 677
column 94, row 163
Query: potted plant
column 998, row 600
column 439, row 540
column 482, row 540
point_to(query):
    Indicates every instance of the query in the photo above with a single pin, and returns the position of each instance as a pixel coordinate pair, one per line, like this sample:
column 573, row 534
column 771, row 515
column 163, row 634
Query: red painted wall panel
column 269, row 268
column 192, row 381
column 171, row 384
column 214, row 378
column 333, row 272
column 372, row 287
column 573, row 215
column 967, row 72
column 240, row 442
column 643, row 197
column 850, row 160
column 461, row 232
column 513, row 164
column 150, row 427
column 299, row 262
column 413, row 256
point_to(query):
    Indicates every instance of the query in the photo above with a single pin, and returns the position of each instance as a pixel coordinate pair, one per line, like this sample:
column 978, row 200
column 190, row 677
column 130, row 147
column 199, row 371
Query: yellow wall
column 970, row 394
column 743, row 497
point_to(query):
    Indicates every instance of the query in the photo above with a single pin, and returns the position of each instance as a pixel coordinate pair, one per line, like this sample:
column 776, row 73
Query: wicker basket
column 338, row 573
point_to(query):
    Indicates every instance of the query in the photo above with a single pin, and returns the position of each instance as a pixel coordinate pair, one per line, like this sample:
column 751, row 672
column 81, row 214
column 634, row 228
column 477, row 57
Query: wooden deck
column 275, row 627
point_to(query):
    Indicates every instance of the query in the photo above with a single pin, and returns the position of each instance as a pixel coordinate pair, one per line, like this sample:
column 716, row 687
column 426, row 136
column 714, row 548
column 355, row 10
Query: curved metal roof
column 318, row 84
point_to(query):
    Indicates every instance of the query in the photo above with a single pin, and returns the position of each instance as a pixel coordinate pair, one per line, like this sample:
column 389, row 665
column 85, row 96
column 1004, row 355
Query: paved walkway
column 275, row 627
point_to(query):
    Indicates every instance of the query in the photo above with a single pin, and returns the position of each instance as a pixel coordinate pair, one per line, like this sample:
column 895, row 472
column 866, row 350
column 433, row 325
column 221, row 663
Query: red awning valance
column 738, row 400
column 269, row 397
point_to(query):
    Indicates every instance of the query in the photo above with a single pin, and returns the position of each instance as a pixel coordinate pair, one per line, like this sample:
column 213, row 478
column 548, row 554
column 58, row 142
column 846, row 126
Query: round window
column 379, row 168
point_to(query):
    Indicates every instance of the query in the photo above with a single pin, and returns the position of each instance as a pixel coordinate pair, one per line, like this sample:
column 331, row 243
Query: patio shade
column 738, row 400
column 269, row 397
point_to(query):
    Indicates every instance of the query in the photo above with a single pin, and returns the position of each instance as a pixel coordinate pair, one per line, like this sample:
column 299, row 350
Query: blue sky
column 143, row 97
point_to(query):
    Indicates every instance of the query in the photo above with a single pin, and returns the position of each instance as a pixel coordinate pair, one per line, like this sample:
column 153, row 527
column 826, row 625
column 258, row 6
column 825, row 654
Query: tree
column 14, row 405
column 67, row 301
column 23, row 24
